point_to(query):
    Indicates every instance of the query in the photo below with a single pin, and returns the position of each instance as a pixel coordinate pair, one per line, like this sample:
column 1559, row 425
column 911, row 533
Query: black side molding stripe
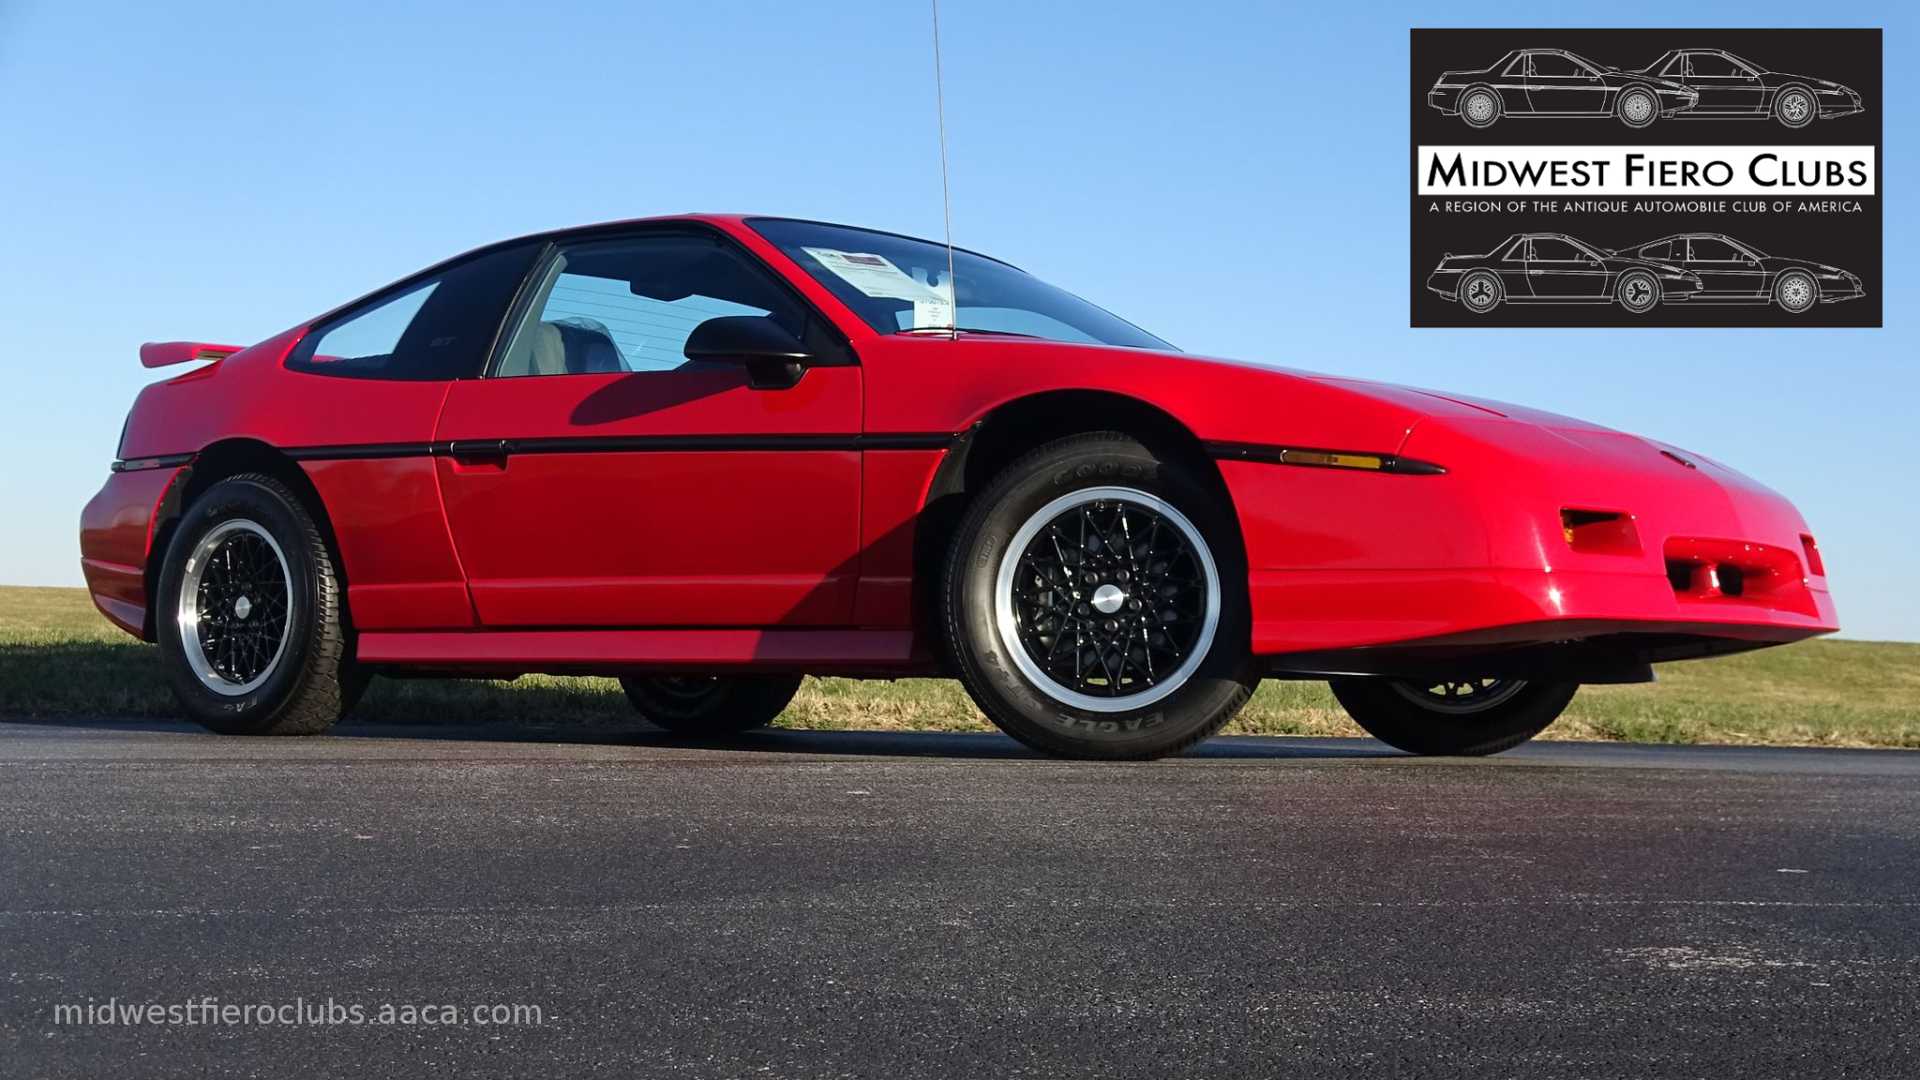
column 615, row 444
column 164, row 461
column 358, row 451
column 1316, row 458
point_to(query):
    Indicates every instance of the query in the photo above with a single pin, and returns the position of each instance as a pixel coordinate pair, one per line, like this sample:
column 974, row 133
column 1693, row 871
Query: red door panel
column 400, row 567
column 669, row 498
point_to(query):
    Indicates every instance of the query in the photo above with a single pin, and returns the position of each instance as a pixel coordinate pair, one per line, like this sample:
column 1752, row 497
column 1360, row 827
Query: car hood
column 1567, row 439
column 1221, row 401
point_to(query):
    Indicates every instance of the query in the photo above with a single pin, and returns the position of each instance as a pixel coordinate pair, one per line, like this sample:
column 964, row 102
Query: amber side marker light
column 1325, row 459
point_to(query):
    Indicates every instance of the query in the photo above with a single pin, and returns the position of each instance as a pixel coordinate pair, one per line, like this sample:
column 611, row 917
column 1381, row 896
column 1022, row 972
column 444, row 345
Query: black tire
column 710, row 704
column 1637, row 107
column 1796, row 291
column 1480, row 291
column 1393, row 711
column 311, row 679
column 1638, row 291
column 1112, row 474
column 1480, row 107
column 1795, row 107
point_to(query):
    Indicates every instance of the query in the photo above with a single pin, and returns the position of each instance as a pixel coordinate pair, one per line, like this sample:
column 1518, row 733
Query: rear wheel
column 251, row 625
column 1464, row 717
column 1095, row 600
column 1480, row 292
column 710, row 704
column 1480, row 107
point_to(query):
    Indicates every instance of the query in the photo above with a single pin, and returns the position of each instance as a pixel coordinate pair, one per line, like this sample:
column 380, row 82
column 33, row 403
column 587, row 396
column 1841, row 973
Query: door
column 1725, row 270
column 1561, row 84
column 364, row 394
column 596, row 477
column 1558, row 269
column 1724, row 85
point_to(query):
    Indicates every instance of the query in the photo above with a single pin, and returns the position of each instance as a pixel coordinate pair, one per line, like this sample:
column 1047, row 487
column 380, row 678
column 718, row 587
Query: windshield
column 899, row 285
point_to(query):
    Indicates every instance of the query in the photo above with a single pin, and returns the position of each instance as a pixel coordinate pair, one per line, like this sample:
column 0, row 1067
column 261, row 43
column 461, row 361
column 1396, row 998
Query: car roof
column 588, row 230
column 702, row 218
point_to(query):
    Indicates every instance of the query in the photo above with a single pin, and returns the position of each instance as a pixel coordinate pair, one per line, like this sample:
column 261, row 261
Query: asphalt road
column 946, row 906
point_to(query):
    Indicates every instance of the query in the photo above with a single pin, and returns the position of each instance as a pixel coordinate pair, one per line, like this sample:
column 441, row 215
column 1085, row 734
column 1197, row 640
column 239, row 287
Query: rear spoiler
column 168, row 353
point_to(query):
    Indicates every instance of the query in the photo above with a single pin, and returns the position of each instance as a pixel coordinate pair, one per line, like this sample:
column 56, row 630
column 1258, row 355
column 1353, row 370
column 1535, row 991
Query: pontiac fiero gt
column 709, row 455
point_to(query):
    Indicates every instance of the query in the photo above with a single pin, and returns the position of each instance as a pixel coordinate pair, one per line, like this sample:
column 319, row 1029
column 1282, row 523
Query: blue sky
column 1232, row 177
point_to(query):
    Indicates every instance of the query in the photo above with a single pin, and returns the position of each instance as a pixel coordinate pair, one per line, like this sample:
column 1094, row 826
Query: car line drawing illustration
column 1730, row 86
column 711, row 454
column 1554, row 268
column 1734, row 272
column 1555, row 82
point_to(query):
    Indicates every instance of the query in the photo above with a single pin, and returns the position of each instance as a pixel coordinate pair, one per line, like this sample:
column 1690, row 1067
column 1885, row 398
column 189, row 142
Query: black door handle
column 480, row 449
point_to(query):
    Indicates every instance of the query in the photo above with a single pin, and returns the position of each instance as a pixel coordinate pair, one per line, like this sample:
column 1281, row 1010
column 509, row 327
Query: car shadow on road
column 976, row 745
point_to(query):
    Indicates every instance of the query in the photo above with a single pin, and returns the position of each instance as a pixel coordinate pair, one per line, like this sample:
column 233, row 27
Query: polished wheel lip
column 188, row 613
column 1008, row 623
column 1482, row 699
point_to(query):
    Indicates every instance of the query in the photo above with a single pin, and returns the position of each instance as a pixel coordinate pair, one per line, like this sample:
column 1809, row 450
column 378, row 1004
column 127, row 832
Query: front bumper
column 1477, row 560
column 1832, row 291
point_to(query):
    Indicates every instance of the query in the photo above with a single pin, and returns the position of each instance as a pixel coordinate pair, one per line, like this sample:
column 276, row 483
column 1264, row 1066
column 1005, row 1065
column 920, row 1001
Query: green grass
column 58, row 657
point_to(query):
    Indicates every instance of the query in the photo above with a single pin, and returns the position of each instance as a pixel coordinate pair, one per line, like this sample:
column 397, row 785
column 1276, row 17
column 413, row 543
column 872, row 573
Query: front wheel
column 1465, row 717
column 1795, row 107
column 1639, row 292
column 1095, row 601
column 251, row 621
column 710, row 704
column 1638, row 107
column 1796, row 292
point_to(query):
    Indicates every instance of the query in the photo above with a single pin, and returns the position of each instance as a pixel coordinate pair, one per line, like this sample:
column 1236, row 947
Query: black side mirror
column 774, row 358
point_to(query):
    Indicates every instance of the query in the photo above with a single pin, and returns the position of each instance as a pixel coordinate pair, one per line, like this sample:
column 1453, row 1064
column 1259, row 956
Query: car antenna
column 946, row 195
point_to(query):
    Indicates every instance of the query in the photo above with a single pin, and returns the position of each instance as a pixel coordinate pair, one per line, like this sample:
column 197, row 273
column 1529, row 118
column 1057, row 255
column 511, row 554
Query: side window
column 435, row 329
column 630, row 305
column 1715, row 66
column 1555, row 65
column 1661, row 250
column 1521, row 67
column 1549, row 249
column 1521, row 251
column 1676, row 68
column 1707, row 249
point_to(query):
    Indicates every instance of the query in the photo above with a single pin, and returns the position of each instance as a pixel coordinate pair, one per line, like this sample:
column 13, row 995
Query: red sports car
column 711, row 454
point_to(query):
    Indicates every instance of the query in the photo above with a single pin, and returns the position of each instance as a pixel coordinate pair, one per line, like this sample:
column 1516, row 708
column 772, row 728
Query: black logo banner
column 1646, row 178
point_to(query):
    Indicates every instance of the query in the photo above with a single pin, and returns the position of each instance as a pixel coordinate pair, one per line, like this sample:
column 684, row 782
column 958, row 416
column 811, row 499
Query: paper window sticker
column 874, row 275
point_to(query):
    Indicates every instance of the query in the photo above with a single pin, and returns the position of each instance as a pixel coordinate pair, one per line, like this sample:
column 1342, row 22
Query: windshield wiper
column 963, row 330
